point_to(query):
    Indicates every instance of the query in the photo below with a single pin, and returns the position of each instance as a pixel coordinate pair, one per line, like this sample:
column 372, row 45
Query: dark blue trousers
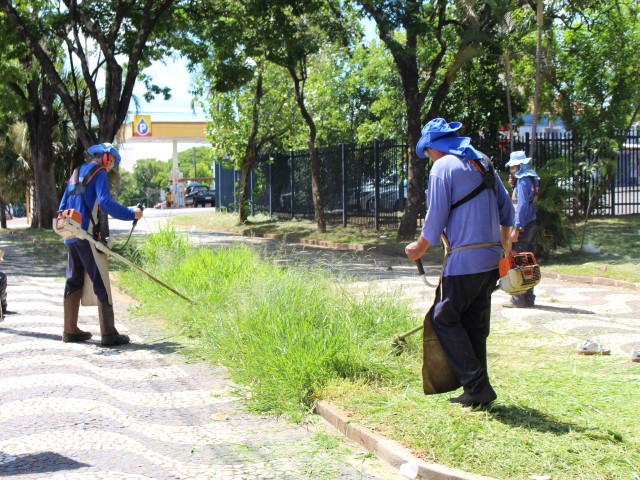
column 461, row 322
column 526, row 243
column 81, row 259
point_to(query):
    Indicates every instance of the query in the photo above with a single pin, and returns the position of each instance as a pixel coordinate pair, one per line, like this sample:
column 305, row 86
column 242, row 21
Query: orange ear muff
column 105, row 159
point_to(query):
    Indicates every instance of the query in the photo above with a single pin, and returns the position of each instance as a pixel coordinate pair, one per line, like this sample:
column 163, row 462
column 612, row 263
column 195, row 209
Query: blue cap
column 102, row 148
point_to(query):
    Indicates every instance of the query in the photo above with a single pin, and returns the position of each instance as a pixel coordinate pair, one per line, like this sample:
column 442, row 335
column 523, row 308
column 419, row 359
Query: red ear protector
column 106, row 159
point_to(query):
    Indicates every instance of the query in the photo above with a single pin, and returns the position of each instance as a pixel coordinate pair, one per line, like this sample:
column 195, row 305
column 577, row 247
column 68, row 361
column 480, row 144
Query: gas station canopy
column 142, row 129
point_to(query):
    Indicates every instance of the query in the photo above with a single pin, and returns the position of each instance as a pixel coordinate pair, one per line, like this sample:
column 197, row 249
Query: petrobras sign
column 142, row 126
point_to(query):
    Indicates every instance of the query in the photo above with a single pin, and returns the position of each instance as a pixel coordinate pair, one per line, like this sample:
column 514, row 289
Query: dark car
column 200, row 195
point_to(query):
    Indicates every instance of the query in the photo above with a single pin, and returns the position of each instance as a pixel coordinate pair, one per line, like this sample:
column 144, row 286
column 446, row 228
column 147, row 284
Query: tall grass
column 282, row 332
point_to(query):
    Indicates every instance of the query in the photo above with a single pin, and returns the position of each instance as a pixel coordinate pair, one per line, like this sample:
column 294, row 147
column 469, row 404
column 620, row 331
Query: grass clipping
column 283, row 332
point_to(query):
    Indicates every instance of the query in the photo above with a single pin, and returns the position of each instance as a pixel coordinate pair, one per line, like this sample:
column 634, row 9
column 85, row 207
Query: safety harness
column 79, row 187
column 488, row 182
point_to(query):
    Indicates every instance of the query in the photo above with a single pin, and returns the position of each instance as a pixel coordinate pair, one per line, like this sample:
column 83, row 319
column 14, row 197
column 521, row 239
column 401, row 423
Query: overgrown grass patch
column 283, row 332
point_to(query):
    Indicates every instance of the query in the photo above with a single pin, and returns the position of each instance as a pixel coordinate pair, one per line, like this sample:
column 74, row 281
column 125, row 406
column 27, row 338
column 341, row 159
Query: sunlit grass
column 283, row 332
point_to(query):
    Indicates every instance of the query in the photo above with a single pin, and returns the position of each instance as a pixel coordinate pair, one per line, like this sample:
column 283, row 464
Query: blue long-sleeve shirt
column 476, row 221
column 98, row 188
column 526, row 208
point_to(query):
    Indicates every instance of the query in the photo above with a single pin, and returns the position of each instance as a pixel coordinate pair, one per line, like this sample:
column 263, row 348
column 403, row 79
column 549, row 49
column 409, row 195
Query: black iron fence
column 366, row 184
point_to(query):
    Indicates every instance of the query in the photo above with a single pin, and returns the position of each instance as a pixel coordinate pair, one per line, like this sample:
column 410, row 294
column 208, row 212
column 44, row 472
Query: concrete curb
column 610, row 282
column 357, row 247
column 390, row 451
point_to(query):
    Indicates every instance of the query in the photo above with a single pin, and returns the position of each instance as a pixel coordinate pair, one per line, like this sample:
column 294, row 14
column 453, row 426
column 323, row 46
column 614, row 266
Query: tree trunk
column 316, row 192
column 507, row 81
column 46, row 196
column 3, row 214
column 243, row 198
column 39, row 126
column 414, row 207
column 252, row 150
column 536, row 95
column 318, row 204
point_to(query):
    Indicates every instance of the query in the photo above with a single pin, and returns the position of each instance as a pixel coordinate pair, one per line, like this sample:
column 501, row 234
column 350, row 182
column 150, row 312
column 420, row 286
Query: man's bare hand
column 416, row 249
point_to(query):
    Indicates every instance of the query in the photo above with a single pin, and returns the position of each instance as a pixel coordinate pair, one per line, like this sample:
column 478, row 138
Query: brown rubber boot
column 70, row 331
column 110, row 335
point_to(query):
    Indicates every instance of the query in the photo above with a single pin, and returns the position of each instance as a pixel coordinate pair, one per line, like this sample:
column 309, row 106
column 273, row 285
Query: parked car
column 363, row 198
column 191, row 185
column 200, row 195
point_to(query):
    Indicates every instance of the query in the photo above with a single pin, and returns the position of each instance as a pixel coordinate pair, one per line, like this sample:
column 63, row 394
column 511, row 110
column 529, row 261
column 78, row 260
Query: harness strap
column 488, row 181
column 448, row 251
column 80, row 187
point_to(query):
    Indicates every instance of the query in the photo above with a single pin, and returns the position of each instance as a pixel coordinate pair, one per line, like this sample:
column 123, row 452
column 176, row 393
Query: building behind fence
column 367, row 184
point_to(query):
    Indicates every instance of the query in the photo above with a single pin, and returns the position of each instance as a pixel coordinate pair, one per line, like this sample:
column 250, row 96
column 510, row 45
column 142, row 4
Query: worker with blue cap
column 470, row 210
column 88, row 193
column 523, row 236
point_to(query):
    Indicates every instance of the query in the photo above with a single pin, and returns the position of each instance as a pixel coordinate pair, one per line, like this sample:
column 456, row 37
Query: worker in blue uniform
column 525, row 231
column 88, row 192
column 470, row 209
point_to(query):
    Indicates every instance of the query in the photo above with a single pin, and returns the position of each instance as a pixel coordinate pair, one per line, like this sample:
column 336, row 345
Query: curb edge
column 388, row 450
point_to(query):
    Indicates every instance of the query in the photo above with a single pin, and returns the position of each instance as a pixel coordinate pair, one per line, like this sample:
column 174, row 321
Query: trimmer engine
column 68, row 224
column 519, row 272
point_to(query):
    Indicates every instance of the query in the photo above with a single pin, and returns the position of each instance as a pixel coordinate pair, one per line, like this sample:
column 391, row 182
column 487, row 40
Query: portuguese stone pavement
column 81, row 411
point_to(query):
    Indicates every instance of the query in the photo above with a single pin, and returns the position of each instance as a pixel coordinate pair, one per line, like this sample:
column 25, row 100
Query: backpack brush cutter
column 518, row 273
column 68, row 224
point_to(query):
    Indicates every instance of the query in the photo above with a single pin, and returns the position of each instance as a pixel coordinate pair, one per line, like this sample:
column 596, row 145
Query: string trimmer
column 68, row 224
column 399, row 340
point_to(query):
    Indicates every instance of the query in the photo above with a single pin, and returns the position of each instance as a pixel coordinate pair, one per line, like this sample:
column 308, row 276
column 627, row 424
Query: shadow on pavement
column 43, row 462
column 162, row 347
column 22, row 333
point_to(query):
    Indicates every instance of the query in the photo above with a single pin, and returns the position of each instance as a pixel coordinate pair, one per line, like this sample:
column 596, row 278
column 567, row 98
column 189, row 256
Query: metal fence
column 366, row 184
column 360, row 184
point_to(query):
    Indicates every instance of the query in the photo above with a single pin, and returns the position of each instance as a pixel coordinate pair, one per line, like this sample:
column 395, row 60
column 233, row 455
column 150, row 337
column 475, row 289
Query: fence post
column 270, row 189
column 344, row 187
column 527, row 142
column 292, row 183
column 376, row 191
